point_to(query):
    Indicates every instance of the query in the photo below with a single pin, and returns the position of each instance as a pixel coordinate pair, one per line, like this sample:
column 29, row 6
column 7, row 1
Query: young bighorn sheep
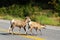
column 36, row 26
column 18, row 23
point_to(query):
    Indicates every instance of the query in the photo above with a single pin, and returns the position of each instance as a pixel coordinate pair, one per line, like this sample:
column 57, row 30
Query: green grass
column 47, row 20
column 9, row 17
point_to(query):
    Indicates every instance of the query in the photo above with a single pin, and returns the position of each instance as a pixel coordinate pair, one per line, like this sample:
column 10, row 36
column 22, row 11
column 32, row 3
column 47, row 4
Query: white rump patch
column 30, row 23
column 13, row 20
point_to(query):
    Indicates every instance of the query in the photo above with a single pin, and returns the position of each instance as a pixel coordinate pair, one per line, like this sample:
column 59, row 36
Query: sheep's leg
column 25, row 30
column 30, row 30
column 12, row 27
column 12, row 30
column 19, row 29
column 40, row 31
column 9, row 29
column 36, row 29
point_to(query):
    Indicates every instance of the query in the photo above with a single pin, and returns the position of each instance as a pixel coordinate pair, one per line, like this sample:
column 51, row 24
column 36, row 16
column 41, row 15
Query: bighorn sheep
column 18, row 23
column 36, row 26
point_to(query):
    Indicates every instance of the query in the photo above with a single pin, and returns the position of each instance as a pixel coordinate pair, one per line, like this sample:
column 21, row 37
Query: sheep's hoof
column 9, row 33
column 12, row 33
column 26, row 33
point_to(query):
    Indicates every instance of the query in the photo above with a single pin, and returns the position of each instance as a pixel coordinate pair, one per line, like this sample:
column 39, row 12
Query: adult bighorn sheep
column 18, row 23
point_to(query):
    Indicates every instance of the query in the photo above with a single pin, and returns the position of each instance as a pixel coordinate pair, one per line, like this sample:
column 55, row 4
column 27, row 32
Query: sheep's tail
column 11, row 25
column 11, row 22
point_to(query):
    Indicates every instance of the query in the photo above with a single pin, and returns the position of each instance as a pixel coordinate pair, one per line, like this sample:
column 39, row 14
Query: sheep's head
column 43, row 26
column 27, row 19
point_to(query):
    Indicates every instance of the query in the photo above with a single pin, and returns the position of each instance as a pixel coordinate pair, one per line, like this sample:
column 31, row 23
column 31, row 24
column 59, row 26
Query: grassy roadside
column 9, row 17
column 41, row 19
column 48, row 20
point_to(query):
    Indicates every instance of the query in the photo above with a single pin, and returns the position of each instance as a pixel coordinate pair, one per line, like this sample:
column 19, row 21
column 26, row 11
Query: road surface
column 50, row 33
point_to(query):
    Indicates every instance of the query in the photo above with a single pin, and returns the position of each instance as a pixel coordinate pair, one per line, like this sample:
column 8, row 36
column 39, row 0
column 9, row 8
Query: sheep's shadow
column 5, row 34
column 18, row 34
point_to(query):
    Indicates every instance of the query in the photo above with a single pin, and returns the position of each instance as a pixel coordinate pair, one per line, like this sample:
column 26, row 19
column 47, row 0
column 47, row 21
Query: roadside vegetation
column 45, row 12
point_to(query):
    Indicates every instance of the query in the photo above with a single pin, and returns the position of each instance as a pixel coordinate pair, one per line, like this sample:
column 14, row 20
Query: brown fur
column 18, row 23
column 36, row 26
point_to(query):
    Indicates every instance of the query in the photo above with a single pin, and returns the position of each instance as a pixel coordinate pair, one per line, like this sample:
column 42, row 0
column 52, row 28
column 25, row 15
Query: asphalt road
column 50, row 33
